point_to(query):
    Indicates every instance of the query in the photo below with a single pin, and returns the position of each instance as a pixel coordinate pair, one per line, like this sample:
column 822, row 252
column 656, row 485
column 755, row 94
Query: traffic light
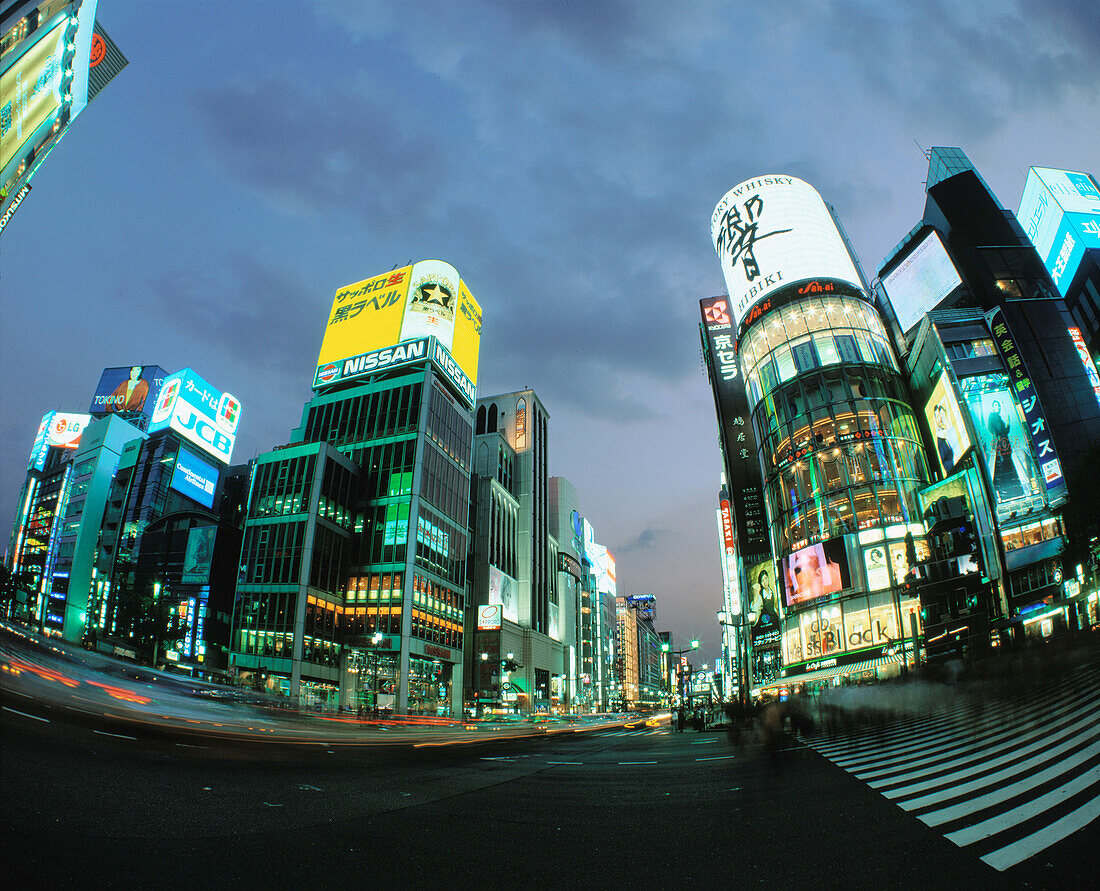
column 509, row 664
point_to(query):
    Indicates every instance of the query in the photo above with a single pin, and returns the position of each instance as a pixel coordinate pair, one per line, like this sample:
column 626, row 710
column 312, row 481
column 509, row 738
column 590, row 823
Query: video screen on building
column 856, row 624
column 128, row 389
column 921, row 280
column 946, row 423
column 1003, row 442
column 814, row 571
column 194, row 479
column 425, row 299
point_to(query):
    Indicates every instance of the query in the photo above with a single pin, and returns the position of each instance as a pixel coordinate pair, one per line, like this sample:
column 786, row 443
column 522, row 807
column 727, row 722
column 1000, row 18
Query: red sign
column 432, row 650
column 99, row 50
column 727, row 525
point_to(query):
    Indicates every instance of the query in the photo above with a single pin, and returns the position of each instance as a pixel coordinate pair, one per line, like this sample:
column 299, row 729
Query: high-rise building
column 836, row 443
column 1011, row 393
column 394, row 392
column 516, row 559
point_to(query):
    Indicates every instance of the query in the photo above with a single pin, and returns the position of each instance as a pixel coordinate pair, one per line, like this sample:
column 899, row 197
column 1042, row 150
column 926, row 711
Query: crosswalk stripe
column 986, row 772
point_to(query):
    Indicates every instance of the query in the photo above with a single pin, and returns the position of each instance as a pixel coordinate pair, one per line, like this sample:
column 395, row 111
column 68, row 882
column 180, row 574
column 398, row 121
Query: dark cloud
column 646, row 540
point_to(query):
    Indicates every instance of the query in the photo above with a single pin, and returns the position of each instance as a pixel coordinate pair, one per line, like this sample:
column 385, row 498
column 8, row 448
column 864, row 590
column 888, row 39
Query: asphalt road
column 85, row 808
column 99, row 790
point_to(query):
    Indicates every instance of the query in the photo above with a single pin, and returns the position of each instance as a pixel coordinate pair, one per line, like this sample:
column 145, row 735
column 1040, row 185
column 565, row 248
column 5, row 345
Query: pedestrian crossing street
column 1004, row 778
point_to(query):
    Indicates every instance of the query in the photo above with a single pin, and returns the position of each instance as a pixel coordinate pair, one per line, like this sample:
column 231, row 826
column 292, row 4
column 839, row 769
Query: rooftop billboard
column 200, row 413
column 921, row 280
column 1060, row 212
column 771, row 232
column 426, row 299
column 126, row 389
column 60, row 430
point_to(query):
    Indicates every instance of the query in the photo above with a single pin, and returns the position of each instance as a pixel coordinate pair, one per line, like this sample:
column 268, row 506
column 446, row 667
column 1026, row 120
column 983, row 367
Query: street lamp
column 667, row 648
column 375, row 640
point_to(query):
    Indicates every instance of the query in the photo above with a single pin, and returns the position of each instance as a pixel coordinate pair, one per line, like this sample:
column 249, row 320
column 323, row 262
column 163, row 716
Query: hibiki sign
column 198, row 412
column 774, row 231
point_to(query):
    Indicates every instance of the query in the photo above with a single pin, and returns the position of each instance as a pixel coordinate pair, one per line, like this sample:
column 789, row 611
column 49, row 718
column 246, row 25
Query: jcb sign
column 198, row 412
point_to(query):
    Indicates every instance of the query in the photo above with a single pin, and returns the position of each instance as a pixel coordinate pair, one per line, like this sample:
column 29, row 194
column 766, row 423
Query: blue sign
column 194, row 479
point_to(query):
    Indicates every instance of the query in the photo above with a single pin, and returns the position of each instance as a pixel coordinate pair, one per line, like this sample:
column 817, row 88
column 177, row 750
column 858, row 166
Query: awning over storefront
column 854, row 668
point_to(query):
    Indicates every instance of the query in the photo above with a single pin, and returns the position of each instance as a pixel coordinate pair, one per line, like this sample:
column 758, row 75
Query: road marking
column 189, row 746
column 501, row 758
column 25, row 715
column 717, row 758
column 269, row 804
column 704, row 742
column 119, row 735
column 1032, row 844
column 565, row 762
column 637, row 762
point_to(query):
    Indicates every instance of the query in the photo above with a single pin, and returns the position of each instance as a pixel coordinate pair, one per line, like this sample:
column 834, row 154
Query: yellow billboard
column 425, row 299
column 467, row 341
column 30, row 92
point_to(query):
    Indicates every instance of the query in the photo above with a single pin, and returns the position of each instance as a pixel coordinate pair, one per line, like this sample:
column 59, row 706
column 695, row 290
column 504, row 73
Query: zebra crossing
column 639, row 732
column 1004, row 777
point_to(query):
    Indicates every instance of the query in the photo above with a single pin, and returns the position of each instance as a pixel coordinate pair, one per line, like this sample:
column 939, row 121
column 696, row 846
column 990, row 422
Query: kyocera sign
column 773, row 231
column 201, row 414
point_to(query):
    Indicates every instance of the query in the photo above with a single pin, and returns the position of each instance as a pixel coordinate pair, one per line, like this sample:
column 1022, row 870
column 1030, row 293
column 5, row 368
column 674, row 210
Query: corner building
column 839, row 449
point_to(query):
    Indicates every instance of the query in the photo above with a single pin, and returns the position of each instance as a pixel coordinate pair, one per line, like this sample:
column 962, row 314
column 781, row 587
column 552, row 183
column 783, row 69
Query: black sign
column 735, row 426
column 569, row 564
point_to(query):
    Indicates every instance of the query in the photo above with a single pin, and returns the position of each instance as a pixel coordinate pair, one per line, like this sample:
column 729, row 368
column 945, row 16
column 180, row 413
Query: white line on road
column 1044, row 838
column 25, row 715
column 703, row 742
column 119, row 735
column 565, row 762
column 189, row 746
column 637, row 762
column 717, row 758
column 501, row 758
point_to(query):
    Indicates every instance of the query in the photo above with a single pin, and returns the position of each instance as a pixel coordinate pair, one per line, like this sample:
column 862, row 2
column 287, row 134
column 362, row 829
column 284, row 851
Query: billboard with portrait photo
column 946, row 423
column 130, row 389
column 814, row 571
column 763, row 591
column 198, row 555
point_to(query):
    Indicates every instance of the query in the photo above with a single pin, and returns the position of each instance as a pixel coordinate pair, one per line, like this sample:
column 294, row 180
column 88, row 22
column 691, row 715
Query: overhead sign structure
column 424, row 300
column 201, row 414
column 1060, row 212
column 31, row 92
column 771, row 232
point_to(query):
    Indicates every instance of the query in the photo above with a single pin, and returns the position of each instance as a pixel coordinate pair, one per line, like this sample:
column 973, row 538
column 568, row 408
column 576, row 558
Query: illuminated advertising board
column 31, row 94
column 1042, row 446
column 489, row 617
column 739, row 448
column 946, row 423
column 131, row 388
column 194, row 479
column 764, row 602
column 1002, row 440
column 773, row 231
column 60, row 430
column 1086, row 359
column 814, row 571
column 201, row 414
column 1060, row 212
column 426, row 299
column 198, row 555
column 502, row 593
column 568, row 563
column 729, row 554
column 921, row 281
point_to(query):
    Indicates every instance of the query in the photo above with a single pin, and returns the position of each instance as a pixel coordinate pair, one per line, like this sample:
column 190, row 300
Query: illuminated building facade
column 995, row 326
column 838, row 446
column 382, row 595
column 54, row 58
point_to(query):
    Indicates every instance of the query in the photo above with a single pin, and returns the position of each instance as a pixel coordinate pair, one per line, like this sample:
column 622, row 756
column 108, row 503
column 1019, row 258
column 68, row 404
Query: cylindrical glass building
column 839, row 448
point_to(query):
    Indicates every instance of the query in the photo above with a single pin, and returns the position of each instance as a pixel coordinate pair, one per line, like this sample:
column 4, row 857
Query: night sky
column 565, row 157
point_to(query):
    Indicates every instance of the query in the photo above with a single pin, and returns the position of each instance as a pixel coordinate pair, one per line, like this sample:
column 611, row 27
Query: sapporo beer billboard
column 735, row 426
column 774, row 231
column 426, row 299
